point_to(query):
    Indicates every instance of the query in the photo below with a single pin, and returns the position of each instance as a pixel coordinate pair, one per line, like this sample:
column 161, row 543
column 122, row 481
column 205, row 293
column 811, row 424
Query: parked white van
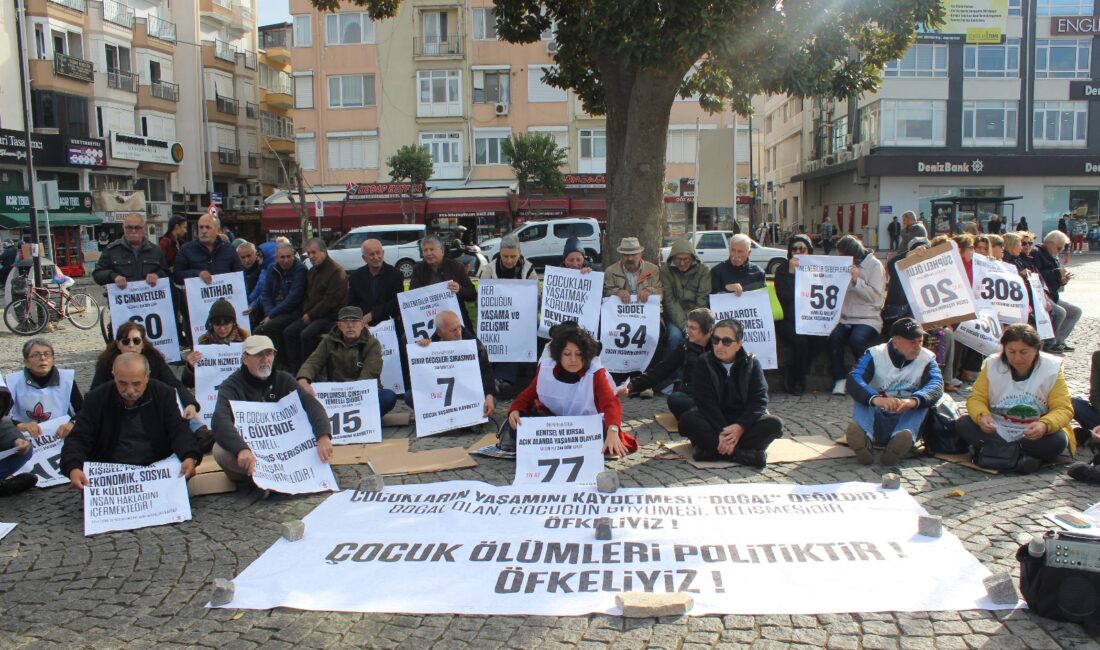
column 401, row 242
column 542, row 242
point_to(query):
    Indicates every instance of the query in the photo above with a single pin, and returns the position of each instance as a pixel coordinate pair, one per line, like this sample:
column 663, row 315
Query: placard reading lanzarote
column 446, row 386
column 999, row 286
column 200, row 296
column 507, row 315
column 46, row 462
column 753, row 309
column 466, row 547
column 281, row 438
column 629, row 333
column 352, row 408
column 936, row 286
column 559, row 450
column 419, row 307
column 125, row 497
column 392, row 377
column 569, row 295
column 215, row 366
column 820, row 284
column 152, row 308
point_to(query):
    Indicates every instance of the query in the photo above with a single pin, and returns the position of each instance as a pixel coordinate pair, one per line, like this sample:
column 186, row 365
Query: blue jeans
column 856, row 337
column 11, row 464
column 387, row 399
column 506, row 371
column 881, row 426
column 675, row 336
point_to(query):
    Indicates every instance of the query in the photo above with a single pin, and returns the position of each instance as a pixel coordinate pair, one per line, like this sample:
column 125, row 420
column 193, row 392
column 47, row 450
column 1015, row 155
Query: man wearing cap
column 573, row 256
column 737, row 274
column 258, row 381
column 448, row 327
column 892, row 385
column 347, row 353
column 631, row 275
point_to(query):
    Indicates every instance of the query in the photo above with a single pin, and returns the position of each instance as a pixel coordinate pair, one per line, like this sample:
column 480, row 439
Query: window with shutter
column 305, row 151
column 540, row 91
column 303, row 90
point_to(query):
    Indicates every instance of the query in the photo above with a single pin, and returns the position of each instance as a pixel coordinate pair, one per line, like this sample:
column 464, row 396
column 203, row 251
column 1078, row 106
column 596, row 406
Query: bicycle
column 30, row 315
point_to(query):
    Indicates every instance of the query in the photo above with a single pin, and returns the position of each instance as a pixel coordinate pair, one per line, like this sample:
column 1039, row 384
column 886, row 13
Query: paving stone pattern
column 148, row 588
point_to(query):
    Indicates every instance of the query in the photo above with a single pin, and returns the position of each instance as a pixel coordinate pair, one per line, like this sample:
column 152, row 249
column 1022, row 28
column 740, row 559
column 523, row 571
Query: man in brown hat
column 632, row 275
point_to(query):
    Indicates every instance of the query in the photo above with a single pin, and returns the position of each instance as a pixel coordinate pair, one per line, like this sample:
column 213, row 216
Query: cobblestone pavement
column 148, row 587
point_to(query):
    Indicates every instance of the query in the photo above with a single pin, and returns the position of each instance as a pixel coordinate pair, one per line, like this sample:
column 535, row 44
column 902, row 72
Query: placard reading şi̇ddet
column 629, row 333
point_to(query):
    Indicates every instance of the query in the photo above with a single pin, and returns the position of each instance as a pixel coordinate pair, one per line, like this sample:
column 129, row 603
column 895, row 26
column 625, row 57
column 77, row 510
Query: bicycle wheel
column 82, row 310
column 26, row 318
column 105, row 329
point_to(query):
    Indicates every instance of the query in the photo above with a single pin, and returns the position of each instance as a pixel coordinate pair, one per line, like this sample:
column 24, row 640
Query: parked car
column 401, row 242
column 712, row 247
column 542, row 242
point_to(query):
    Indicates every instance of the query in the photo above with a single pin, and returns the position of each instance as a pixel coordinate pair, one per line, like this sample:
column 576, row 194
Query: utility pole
column 21, row 22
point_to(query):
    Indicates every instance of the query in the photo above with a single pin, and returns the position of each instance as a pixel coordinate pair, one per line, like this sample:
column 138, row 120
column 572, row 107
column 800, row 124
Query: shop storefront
column 69, row 226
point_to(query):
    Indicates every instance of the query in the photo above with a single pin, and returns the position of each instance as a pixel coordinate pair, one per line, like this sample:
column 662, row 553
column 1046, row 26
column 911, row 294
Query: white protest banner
column 982, row 334
column 392, row 377
column 200, row 296
column 569, row 295
column 467, row 547
column 629, row 333
column 280, row 436
column 215, row 366
column 419, row 308
column 150, row 307
column 560, row 450
column 6, row 528
column 46, row 462
column 446, row 386
column 125, row 497
column 352, row 408
column 753, row 309
column 1039, row 306
column 999, row 286
column 937, row 287
column 507, row 316
column 820, row 284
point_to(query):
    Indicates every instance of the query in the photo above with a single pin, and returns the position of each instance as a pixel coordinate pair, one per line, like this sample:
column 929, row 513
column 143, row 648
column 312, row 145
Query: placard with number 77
column 559, row 450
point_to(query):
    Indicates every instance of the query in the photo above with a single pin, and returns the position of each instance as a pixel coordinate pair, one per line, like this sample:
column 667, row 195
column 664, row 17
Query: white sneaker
column 839, row 387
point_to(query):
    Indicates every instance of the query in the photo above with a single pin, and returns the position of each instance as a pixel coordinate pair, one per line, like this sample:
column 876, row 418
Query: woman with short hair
column 683, row 358
column 509, row 264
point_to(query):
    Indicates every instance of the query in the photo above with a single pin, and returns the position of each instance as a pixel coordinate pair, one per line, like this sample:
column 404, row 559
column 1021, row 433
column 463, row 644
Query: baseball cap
column 350, row 313
column 907, row 328
column 258, row 343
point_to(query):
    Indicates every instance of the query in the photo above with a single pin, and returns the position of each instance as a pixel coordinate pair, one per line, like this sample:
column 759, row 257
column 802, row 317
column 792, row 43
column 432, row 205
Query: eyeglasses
column 131, row 341
column 221, row 322
column 133, row 228
column 40, row 355
column 798, row 249
column 1026, row 243
column 725, row 340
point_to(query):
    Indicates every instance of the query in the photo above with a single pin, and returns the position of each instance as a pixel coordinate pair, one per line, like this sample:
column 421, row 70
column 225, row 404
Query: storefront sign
column 70, row 202
column 1084, row 89
column 125, row 146
column 978, row 166
column 360, row 191
column 1074, row 25
column 584, row 181
column 52, row 150
column 970, row 21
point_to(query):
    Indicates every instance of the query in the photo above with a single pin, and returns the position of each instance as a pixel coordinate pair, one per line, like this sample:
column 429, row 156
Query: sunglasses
column 220, row 322
column 725, row 340
column 799, row 249
column 1026, row 243
column 131, row 341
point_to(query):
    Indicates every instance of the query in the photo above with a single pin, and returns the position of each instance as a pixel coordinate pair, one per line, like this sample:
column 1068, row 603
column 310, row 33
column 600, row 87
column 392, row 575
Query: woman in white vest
column 1019, row 405
column 41, row 392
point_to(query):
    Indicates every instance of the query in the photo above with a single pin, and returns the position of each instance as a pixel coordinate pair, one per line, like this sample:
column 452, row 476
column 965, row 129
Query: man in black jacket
column 730, row 420
column 133, row 420
column 737, row 274
column 436, row 267
column 131, row 258
column 374, row 286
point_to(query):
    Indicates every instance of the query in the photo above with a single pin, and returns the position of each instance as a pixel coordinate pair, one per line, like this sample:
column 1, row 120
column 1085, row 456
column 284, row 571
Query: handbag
column 995, row 453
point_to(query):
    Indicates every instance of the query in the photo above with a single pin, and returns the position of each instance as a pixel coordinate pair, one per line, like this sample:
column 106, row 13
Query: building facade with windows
column 277, row 165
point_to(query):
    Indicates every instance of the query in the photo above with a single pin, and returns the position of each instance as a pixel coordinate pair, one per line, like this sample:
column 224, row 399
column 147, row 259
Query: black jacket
column 158, row 369
column 119, row 259
column 686, row 356
column 241, row 386
column 739, row 397
column 95, row 434
column 378, row 298
column 1049, row 269
column 749, row 276
column 252, row 276
column 194, row 258
column 449, row 269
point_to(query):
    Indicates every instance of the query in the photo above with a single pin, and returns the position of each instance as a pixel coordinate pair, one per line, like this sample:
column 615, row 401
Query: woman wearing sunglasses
column 730, row 420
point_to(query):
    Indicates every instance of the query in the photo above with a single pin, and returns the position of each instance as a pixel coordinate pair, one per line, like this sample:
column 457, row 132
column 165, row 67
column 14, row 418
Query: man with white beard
column 258, row 381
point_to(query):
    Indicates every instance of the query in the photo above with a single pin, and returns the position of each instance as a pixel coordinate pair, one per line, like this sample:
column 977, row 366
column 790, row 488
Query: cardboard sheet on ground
column 784, row 450
column 668, row 421
column 472, row 548
column 966, row 460
column 392, row 458
column 208, row 483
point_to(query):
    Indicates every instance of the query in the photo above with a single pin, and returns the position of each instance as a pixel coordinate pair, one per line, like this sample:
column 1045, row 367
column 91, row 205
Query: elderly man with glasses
column 131, row 258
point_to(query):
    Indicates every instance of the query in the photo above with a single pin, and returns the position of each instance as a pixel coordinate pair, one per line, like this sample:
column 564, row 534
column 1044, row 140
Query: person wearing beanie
column 686, row 282
column 804, row 348
column 221, row 329
column 573, row 256
column 860, row 316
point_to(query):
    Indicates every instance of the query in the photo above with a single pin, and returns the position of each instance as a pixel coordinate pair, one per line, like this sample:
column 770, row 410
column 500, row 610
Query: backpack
column 938, row 430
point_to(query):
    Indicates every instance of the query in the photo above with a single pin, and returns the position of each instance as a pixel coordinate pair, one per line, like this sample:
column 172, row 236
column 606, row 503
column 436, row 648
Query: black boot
column 757, row 458
column 1085, row 473
column 17, row 483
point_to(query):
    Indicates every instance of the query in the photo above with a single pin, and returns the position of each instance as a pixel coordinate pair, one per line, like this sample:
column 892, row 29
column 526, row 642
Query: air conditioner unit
column 551, row 47
column 255, row 189
column 860, row 180
column 256, row 203
column 501, row 108
column 843, row 156
column 236, row 203
column 237, row 189
column 828, row 160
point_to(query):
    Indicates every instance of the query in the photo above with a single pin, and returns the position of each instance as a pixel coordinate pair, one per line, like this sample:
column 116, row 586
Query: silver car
column 712, row 248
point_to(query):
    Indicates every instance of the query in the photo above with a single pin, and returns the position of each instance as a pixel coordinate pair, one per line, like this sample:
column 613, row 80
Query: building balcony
column 253, row 161
column 227, row 105
column 216, row 11
column 434, row 47
column 279, row 100
column 226, row 162
column 159, row 96
column 252, row 110
column 225, row 52
column 117, row 13
column 222, row 110
column 215, row 54
column 283, row 146
column 242, row 20
column 155, row 34
column 276, row 44
column 122, row 80
column 64, row 74
column 248, row 61
column 69, row 11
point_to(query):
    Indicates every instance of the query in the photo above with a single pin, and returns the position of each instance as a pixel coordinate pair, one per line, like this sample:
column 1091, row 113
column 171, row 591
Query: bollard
column 891, row 481
column 371, row 483
column 603, row 528
column 1001, row 589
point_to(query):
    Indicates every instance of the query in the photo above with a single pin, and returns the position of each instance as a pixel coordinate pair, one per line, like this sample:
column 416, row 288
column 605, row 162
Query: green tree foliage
column 411, row 164
column 536, row 160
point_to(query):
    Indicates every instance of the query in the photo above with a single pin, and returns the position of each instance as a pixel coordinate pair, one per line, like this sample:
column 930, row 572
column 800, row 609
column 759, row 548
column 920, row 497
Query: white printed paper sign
column 937, row 287
column 150, row 307
column 982, row 334
column 392, row 377
column 569, row 295
column 352, row 408
column 560, row 450
column 999, row 286
column 507, row 317
column 1039, row 306
column 46, row 462
column 419, row 307
column 629, row 333
column 820, row 284
column 446, row 386
column 281, row 438
column 530, row 550
column 754, row 311
column 200, row 296
column 215, row 366
column 1009, row 428
column 125, row 497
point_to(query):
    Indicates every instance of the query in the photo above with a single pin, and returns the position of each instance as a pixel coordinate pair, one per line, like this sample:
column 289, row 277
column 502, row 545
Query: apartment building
column 277, row 165
column 956, row 131
column 438, row 76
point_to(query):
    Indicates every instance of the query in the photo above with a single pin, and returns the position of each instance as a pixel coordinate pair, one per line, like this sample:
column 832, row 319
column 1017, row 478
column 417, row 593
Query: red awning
column 378, row 212
column 592, row 207
column 471, row 207
column 542, row 208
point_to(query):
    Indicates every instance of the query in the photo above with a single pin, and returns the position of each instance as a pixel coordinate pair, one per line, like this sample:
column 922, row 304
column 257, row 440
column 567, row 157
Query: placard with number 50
column 560, row 450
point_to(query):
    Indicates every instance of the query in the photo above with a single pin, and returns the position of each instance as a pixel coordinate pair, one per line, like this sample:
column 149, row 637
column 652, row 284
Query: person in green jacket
column 686, row 282
column 347, row 353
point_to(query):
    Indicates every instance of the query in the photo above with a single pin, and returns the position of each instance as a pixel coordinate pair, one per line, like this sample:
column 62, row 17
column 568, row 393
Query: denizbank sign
column 973, row 167
column 979, row 166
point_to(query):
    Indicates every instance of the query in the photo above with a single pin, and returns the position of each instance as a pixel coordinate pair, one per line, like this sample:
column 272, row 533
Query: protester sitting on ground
column 508, row 265
column 892, row 387
column 996, row 247
column 326, row 292
column 374, row 286
column 730, row 419
column 283, row 292
column 677, row 368
column 1045, row 258
column 861, row 313
column 804, row 348
column 131, row 338
column 737, row 274
column 1020, row 388
column 10, row 438
column 131, row 258
column 968, row 361
column 1087, row 411
column 221, row 329
column 448, row 327
column 570, row 384
column 896, row 304
column 435, row 267
column 573, row 256
column 255, row 274
column 1014, row 252
column 258, row 381
column 42, row 392
column 133, row 420
column 685, row 281
column 632, row 277
column 347, row 353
